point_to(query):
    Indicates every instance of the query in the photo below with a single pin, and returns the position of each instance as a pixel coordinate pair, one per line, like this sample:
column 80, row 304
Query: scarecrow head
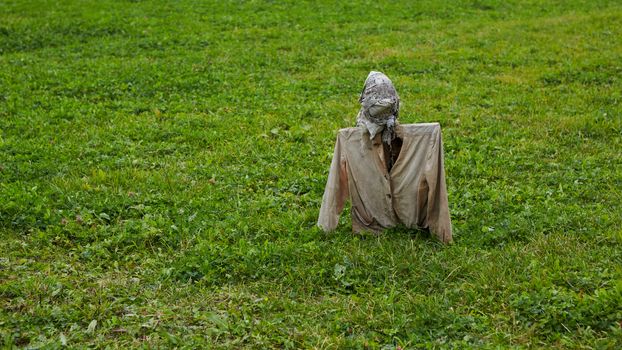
column 380, row 106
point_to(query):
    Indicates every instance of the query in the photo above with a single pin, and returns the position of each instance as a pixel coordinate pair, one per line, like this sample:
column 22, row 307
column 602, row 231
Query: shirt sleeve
column 336, row 191
column 438, row 217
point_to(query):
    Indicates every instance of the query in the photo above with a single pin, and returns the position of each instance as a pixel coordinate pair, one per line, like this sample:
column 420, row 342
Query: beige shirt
column 413, row 193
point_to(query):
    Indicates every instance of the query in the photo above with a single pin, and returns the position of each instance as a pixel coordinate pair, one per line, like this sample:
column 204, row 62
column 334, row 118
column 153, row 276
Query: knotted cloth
column 380, row 107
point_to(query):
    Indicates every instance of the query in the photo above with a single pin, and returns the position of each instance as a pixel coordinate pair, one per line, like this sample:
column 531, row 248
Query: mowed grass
column 162, row 166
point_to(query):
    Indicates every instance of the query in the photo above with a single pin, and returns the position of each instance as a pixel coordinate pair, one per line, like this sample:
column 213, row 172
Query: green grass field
column 162, row 166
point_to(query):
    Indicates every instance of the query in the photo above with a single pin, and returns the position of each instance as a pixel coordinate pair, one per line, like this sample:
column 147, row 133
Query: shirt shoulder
column 353, row 133
column 419, row 128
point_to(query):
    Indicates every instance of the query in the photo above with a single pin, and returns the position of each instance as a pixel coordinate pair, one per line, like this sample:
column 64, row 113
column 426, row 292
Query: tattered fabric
column 380, row 105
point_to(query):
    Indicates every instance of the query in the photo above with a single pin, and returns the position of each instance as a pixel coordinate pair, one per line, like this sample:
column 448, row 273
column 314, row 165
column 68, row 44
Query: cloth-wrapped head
column 380, row 106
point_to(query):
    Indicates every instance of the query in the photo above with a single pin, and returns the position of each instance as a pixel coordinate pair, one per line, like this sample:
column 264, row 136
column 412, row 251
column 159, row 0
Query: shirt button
column 389, row 195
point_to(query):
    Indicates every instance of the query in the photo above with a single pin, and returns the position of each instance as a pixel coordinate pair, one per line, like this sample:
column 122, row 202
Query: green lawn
column 162, row 166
